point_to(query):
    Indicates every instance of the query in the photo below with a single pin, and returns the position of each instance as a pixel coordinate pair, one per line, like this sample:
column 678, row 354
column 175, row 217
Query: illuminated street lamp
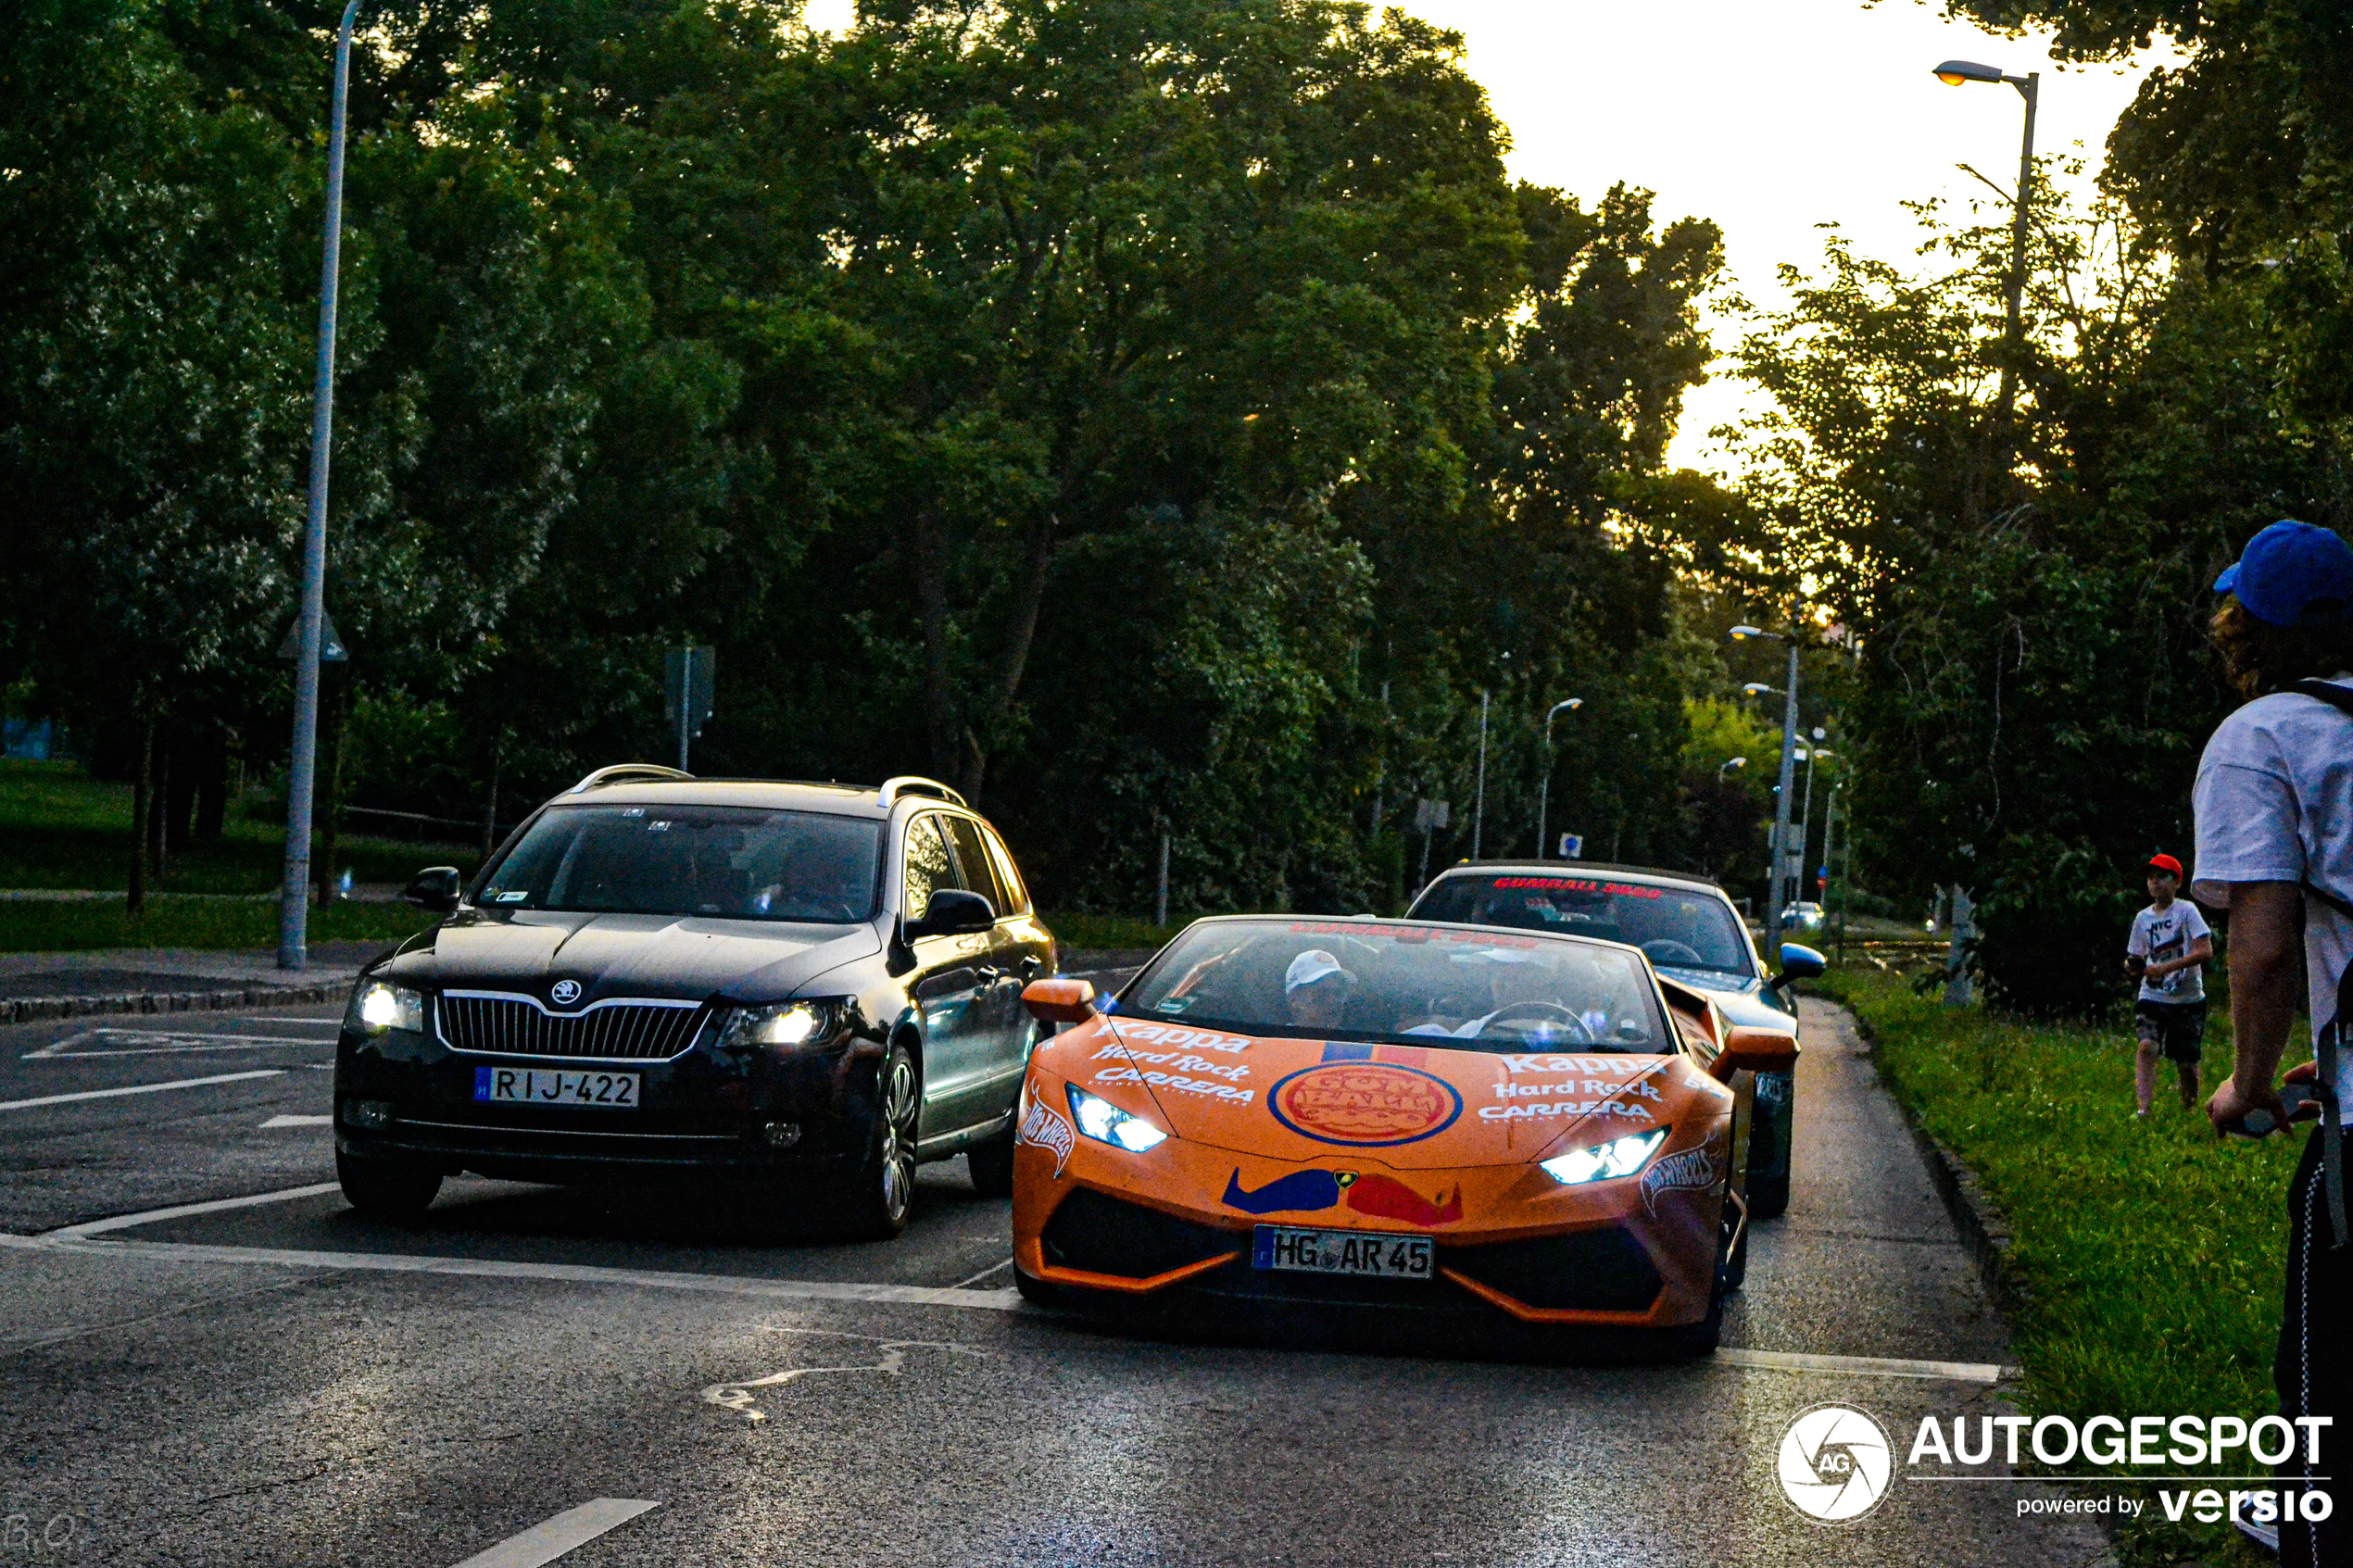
column 1957, row 73
column 1544, row 786
column 1735, row 762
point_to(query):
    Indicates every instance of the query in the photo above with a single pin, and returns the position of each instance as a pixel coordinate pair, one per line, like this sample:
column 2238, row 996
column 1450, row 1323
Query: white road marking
column 551, row 1539
column 179, row 1042
column 150, row 1216
column 738, row 1395
column 299, row 1122
column 143, row 1088
column 992, row 1269
column 74, row 1239
column 1859, row 1366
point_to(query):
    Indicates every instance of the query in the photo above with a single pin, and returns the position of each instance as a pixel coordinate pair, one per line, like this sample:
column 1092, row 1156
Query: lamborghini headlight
column 1619, row 1157
column 377, row 1006
column 1105, row 1122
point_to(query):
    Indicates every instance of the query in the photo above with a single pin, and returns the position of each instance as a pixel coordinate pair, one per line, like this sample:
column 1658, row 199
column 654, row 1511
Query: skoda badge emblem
column 563, row 993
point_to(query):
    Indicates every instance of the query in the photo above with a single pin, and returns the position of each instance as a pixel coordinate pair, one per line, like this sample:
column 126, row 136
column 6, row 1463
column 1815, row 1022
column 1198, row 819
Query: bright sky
column 1769, row 115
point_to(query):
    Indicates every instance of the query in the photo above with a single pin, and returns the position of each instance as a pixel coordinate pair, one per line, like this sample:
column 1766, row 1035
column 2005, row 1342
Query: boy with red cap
column 2168, row 949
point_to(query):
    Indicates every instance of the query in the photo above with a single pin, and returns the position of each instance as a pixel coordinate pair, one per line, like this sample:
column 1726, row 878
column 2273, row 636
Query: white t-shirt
column 2160, row 936
column 2274, row 802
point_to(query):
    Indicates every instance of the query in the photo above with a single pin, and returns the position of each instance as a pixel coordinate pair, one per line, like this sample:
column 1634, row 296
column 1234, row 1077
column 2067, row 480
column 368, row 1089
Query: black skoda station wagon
column 802, row 987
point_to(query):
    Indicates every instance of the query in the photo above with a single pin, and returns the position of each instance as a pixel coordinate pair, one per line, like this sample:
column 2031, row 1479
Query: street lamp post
column 1782, row 795
column 1805, row 816
column 302, row 768
column 1544, row 785
column 1956, row 73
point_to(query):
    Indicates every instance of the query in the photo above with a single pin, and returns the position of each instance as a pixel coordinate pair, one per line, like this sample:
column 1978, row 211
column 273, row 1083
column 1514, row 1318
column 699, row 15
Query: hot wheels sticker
column 1367, row 1105
column 1693, row 1169
column 1045, row 1128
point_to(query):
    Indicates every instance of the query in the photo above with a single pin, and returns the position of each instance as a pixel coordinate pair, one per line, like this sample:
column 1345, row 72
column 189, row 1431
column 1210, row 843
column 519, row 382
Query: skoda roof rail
column 911, row 783
column 628, row 772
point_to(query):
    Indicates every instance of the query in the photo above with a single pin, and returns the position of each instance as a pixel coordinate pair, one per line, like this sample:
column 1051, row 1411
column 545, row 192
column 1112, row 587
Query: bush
column 2051, row 931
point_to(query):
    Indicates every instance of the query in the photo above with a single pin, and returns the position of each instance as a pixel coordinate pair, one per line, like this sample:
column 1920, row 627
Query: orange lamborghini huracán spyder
column 1382, row 1113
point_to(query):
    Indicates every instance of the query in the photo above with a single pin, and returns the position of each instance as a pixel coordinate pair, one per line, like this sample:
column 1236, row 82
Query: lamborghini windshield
column 1678, row 927
column 1403, row 985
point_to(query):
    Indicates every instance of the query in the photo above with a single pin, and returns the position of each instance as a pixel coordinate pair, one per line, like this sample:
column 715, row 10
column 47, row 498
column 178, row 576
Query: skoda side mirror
column 1798, row 962
column 435, row 889
column 954, row 913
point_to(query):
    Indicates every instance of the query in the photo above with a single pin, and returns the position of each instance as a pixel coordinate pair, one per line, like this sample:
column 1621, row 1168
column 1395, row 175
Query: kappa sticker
column 1364, row 1104
column 1045, row 1128
column 1693, row 1169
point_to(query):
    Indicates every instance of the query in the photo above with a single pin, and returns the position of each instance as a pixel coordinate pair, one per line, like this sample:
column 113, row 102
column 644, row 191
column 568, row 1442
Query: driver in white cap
column 1317, row 990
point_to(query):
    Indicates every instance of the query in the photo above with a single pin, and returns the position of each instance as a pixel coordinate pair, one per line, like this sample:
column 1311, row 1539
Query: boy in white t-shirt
column 2167, row 952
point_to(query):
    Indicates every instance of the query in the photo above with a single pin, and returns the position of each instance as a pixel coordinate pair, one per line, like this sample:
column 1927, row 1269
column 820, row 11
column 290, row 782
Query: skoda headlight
column 1105, row 1122
column 377, row 1006
column 781, row 1026
column 1619, row 1157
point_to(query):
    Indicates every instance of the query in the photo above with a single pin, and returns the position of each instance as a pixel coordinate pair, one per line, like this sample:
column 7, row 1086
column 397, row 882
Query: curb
column 1984, row 1233
column 27, row 1010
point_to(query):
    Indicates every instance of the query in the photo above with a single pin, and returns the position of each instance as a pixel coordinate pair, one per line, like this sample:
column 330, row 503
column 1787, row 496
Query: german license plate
column 540, row 1085
column 1369, row 1254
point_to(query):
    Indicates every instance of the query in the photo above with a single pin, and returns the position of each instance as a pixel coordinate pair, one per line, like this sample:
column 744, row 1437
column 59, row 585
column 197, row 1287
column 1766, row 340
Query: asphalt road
column 278, row 1381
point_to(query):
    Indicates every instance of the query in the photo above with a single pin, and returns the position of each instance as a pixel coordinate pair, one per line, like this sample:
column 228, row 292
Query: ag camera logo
column 1835, row 1463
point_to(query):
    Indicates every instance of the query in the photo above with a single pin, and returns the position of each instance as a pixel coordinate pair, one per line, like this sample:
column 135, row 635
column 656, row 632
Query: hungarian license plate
column 538, row 1085
column 1369, row 1254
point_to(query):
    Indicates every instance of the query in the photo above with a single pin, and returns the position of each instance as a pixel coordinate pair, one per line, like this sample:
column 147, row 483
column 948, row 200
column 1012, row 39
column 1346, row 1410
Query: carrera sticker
column 1369, row 1105
column 1044, row 1127
column 1691, row 1171
column 1304, row 1191
column 1566, row 1107
column 1176, row 1080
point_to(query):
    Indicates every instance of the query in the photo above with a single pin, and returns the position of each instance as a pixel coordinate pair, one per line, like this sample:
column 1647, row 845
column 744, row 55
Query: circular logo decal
column 563, row 993
column 1366, row 1104
column 1835, row 1463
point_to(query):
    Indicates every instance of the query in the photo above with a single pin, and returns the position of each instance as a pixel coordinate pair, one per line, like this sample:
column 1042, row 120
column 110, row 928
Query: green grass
column 1098, row 931
column 60, row 828
column 27, row 926
column 2150, row 1251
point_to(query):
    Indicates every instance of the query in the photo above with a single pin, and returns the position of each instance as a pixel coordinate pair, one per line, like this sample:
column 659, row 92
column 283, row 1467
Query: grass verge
column 2149, row 1250
column 40, row 926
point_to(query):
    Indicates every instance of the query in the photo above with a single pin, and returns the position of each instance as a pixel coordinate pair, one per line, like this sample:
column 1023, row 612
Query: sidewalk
column 36, row 985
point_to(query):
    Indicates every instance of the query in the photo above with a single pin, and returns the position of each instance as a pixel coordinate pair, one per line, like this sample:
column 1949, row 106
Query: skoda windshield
column 1402, row 985
column 728, row 863
column 1675, row 927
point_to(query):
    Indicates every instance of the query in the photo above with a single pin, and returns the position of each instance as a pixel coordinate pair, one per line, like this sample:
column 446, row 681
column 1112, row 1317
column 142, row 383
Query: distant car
column 1692, row 932
column 1802, row 916
column 1302, row 1113
column 799, row 989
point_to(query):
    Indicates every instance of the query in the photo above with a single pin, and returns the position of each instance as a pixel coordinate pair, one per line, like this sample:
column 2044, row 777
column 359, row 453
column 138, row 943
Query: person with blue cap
column 2274, row 805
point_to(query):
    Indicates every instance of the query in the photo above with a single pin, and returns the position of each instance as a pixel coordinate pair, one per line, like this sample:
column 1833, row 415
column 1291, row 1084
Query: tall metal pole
column 1805, row 824
column 1478, row 807
column 2015, row 338
column 1544, row 784
column 1781, row 807
column 302, row 768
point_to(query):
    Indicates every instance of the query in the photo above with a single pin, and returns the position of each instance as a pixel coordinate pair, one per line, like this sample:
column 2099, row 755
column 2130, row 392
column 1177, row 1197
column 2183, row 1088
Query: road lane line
column 143, row 1088
column 992, row 1269
column 151, row 1216
column 79, row 1241
column 549, row 1540
column 1860, row 1366
column 299, row 1122
column 184, row 1040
